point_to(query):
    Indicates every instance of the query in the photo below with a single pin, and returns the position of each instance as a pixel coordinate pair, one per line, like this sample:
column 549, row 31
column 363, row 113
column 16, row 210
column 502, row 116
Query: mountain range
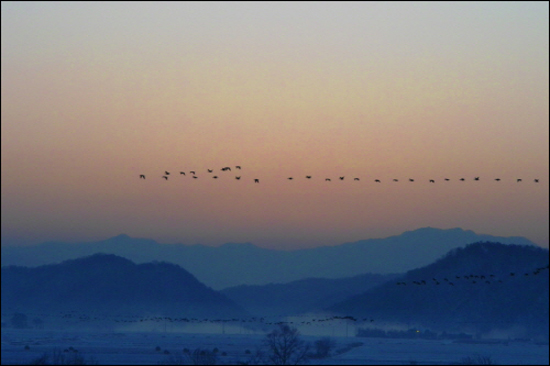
column 302, row 296
column 487, row 289
column 109, row 284
column 246, row 264
column 484, row 287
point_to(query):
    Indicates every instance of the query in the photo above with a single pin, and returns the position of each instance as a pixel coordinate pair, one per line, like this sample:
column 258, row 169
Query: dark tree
column 285, row 347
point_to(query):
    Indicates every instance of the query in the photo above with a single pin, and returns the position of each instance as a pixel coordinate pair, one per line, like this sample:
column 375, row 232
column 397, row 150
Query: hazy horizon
column 11, row 242
column 95, row 94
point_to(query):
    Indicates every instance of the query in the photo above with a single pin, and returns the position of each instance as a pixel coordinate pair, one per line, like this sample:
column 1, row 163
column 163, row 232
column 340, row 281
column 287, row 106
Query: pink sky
column 94, row 94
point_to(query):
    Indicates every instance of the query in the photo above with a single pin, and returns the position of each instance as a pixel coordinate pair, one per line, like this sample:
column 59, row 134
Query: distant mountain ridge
column 302, row 296
column 107, row 283
column 483, row 287
column 239, row 264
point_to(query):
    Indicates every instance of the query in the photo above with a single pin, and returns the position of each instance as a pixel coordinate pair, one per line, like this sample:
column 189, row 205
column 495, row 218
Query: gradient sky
column 94, row 94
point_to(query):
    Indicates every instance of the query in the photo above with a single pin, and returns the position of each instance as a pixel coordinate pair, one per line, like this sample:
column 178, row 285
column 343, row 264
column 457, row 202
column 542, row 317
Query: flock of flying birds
column 256, row 180
column 471, row 278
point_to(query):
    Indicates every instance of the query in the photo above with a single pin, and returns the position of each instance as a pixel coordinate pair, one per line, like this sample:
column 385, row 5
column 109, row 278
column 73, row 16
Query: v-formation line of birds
column 257, row 180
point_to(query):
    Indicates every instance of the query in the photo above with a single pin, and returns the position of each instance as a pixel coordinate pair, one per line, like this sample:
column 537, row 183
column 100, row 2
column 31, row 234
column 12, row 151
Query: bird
column 192, row 172
column 256, row 181
column 497, row 179
column 377, row 180
column 396, row 180
column 476, row 178
column 238, row 177
column 536, row 180
column 238, row 166
column 341, row 178
column 182, row 173
column 209, row 170
column 355, row 178
column 215, row 177
column 327, row 179
column 142, row 176
column 195, row 177
column 308, row 176
column 462, row 179
column 290, row 178
column 411, row 180
column 165, row 177
column 432, row 181
column 226, row 168
column 447, row 179
column 167, row 173
column 519, row 180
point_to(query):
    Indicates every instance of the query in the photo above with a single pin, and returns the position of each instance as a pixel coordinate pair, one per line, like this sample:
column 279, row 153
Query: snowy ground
column 139, row 348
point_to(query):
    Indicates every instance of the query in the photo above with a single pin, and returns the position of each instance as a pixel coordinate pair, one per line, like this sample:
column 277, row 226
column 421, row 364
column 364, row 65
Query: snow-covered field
column 139, row 348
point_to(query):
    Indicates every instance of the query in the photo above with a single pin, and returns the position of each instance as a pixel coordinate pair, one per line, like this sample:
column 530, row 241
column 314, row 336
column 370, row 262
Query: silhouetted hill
column 110, row 284
column 483, row 287
column 239, row 264
column 303, row 295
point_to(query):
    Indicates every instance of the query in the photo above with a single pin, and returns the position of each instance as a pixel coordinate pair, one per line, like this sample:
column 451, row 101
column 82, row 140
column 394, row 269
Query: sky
column 95, row 94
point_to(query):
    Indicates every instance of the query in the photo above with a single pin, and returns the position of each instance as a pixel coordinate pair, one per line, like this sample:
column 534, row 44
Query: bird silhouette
column 341, row 178
column 396, row 180
column 476, row 178
column 182, row 173
column 256, row 181
column 462, row 179
column 238, row 166
column 238, row 177
column 195, row 177
column 432, row 181
column 215, row 177
column 167, row 173
column 519, row 180
column 192, row 172
column 536, row 180
column 142, row 176
column 308, row 176
column 377, row 180
column 355, row 178
column 327, row 179
column 497, row 179
column 165, row 177
column 290, row 178
column 411, row 180
column 447, row 179
column 209, row 170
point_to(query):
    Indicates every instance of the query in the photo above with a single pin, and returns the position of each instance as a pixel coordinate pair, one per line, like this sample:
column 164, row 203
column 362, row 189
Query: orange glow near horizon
column 84, row 115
